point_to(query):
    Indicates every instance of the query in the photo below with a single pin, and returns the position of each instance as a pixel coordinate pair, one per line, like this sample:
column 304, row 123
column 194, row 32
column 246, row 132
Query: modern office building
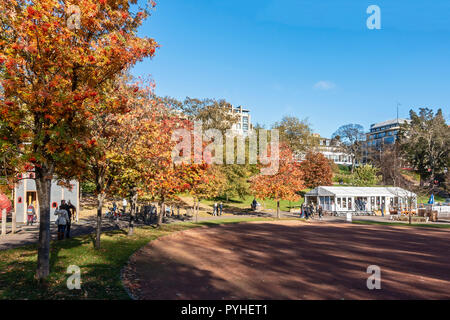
column 244, row 123
column 384, row 133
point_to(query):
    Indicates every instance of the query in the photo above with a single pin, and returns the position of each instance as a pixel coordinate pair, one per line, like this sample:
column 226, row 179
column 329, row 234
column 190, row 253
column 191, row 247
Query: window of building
column 389, row 140
column 245, row 123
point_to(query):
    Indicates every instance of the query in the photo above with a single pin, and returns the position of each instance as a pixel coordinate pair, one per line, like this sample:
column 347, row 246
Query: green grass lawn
column 247, row 202
column 442, row 226
column 100, row 269
column 425, row 198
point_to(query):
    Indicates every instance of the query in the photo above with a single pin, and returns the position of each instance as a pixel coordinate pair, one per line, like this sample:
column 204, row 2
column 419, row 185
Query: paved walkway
column 27, row 235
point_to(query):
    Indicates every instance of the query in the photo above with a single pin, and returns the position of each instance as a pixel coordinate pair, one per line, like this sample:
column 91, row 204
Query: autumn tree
column 316, row 170
column 284, row 184
column 110, row 134
column 143, row 156
column 55, row 56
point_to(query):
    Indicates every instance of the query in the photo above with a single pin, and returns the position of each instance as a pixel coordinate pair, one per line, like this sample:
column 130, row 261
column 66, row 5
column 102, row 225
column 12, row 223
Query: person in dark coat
column 67, row 208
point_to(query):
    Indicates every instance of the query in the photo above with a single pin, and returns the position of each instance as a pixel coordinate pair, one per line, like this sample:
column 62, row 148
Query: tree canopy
column 425, row 143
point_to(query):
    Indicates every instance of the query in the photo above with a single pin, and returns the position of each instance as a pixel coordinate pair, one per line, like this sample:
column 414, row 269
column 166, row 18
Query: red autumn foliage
column 316, row 170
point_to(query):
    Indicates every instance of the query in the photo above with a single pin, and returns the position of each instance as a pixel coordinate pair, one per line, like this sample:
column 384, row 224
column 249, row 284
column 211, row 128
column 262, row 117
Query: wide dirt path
column 293, row 260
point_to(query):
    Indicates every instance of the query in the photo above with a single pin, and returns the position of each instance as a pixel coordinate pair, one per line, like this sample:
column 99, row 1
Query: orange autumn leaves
column 51, row 74
column 283, row 185
column 292, row 177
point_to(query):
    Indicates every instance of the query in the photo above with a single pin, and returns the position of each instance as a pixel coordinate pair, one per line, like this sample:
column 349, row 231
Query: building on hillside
column 331, row 149
column 244, row 124
column 362, row 199
column 384, row 133
column 25, row 193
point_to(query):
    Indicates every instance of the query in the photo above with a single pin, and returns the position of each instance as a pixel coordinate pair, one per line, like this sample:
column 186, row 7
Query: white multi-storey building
column 244, row 123
column 331, row 149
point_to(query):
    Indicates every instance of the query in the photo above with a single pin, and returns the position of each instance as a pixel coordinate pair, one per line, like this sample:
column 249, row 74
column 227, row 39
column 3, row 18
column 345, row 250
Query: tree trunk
column 278, row 209
column 100, row 200
column 14, row 221
column 3, row 222
column 161, row 213
column 43, row 184
column 133, row 201
column 197, row 210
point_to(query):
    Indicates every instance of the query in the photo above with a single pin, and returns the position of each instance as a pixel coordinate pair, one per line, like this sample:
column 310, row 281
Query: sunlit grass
column 443, row 226
column 247, row 202
column 100, row 269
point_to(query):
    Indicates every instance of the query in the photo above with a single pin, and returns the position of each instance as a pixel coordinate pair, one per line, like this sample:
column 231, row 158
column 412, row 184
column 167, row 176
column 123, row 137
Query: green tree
column 365, row 176
column 425, row 143
column 295, row 133
column 215, row 114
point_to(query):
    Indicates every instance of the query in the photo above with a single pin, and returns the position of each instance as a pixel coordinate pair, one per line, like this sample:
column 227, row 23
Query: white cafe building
column 362, row 199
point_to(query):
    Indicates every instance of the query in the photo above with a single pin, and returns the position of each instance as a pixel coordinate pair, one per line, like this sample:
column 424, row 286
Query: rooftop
column 389, row 122
column 360, row 191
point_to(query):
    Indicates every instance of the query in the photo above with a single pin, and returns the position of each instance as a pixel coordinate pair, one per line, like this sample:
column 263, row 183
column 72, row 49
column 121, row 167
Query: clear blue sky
column 308, row 58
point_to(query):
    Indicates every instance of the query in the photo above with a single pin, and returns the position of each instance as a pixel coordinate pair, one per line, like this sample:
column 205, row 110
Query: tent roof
column 360, row 192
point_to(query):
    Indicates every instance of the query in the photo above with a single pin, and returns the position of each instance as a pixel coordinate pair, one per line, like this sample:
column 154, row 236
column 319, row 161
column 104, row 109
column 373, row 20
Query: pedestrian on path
column 72, row 211
column 215, row 209
column 220, row 209
column 61, row 221
column 320, row 213
column 70, row 208
column 31, row 213
column 124, row 205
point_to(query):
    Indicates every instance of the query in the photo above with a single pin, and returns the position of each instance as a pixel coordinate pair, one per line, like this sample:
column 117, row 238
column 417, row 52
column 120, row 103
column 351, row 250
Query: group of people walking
column 309, row 210
column 65, row 213
column 218, row 209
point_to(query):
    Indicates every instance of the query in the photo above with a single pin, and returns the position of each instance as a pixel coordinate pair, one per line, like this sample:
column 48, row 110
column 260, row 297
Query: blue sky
column 308, row 58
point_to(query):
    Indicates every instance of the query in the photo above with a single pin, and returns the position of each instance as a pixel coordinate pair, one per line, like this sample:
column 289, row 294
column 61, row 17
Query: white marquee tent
column 364, row 199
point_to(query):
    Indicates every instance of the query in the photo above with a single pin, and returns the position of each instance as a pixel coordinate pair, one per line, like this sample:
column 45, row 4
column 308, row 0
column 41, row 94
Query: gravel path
column 293, row 260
